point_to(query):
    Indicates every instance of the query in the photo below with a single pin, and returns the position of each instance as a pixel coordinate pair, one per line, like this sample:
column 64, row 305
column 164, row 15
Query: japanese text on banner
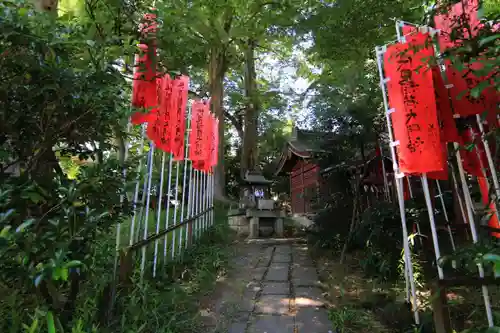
column 411, row 94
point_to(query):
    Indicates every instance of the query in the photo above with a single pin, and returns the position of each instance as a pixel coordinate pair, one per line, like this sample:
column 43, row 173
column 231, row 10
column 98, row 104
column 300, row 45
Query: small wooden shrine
column 296, row 160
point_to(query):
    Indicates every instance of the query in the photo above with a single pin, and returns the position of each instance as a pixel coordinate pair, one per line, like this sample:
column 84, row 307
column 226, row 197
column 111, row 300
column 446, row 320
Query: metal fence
column 169, row 213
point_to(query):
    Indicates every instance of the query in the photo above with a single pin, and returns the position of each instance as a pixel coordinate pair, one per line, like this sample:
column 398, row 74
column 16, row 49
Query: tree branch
column 236, row 123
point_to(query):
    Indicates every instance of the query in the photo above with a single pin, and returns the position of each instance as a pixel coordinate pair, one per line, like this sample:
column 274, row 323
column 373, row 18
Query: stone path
column 278, row 292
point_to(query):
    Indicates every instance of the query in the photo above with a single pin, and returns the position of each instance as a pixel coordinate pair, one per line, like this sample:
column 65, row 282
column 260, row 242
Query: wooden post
column 441, row 314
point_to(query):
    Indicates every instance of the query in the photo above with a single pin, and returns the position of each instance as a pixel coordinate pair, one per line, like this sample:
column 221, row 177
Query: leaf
column 38, row 280
column 4, row 216
column 35, row 197
column 73, row 263
column 34, row 326
column 477, row 90
column 488, row 39
column 5, row 231
column 51, row 327
column 25, row 225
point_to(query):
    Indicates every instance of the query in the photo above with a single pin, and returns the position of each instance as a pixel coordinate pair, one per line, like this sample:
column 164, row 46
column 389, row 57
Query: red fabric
column 196, row 137
column 144, row 94
column 409, row 29
column 144, row 84
column 214, row 153
column 160, row 123
column 406, row 189
column 493, row 221
column 411, row 94
column 470, row 159
column 443, row 174
column 449, row 21
column 449, row 132
column 180, row 92
column 463, row 103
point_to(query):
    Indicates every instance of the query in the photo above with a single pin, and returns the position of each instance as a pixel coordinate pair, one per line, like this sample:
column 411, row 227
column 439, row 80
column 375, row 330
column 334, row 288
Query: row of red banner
column 163, row 102
column 426, row 109
column 424, row 122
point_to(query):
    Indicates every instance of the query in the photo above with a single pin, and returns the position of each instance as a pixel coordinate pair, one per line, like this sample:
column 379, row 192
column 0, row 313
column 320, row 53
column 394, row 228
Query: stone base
column 240, row 224
column 254, row 227
column 279, row 227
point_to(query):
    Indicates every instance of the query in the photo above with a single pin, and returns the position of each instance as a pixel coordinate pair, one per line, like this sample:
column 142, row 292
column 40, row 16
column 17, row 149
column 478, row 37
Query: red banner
column 465, row 11
column 462, row 83
column 160, row 125
column 144, row 84
column 144, row 94
column 411, row 94
column 180, row 87
column 449, row 132
column 215, row 150
column 443, row 174
column 197, row 135
column 472, row 150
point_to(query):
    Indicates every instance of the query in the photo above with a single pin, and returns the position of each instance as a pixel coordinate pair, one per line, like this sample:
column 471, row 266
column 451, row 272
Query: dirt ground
column 360, row 304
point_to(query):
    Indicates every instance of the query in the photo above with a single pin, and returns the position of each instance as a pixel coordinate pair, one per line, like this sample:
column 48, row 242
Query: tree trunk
column 249, row 153
column 216, row 72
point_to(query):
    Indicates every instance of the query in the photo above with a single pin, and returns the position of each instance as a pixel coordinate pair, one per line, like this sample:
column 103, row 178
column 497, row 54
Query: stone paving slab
column 273, row 304
column 263, row 301
column 252, row 289
column 271, row 324
column 311, row 320
column 277, row 272
column 237, row 328
column 275, row 288
column 304, row 276
column 282, row 258
column 309, row 297
column 283, row 249
column 264, row 261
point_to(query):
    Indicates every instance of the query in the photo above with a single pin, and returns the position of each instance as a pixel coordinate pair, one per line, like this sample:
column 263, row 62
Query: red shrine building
column 308, row 181
column 296, row 160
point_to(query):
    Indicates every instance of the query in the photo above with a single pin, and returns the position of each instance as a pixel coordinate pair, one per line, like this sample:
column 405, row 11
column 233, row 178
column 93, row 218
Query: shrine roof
column 255, row 178
column 302, row 144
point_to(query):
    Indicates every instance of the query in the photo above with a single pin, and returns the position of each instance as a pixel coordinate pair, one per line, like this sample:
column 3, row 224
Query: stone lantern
column 256, row 215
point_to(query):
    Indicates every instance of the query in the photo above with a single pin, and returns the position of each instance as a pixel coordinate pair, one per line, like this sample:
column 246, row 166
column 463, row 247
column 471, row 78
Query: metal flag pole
column 195, row 204
column 473, row 230
column 205, row 203
column 189, row 204
column 148, row 198
column 176, row 205
column 143, row 200
column 441, row 199
column 484, row 171
column 379, row 51
column 137, row 184
column 455, row 185
column 202, row 204
column 184, row 177
column 200, row 201
column 212, row 197
column 430, row 210
column 201, row 220
column 489, row 157
column 158, row 217
column 167, row 213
